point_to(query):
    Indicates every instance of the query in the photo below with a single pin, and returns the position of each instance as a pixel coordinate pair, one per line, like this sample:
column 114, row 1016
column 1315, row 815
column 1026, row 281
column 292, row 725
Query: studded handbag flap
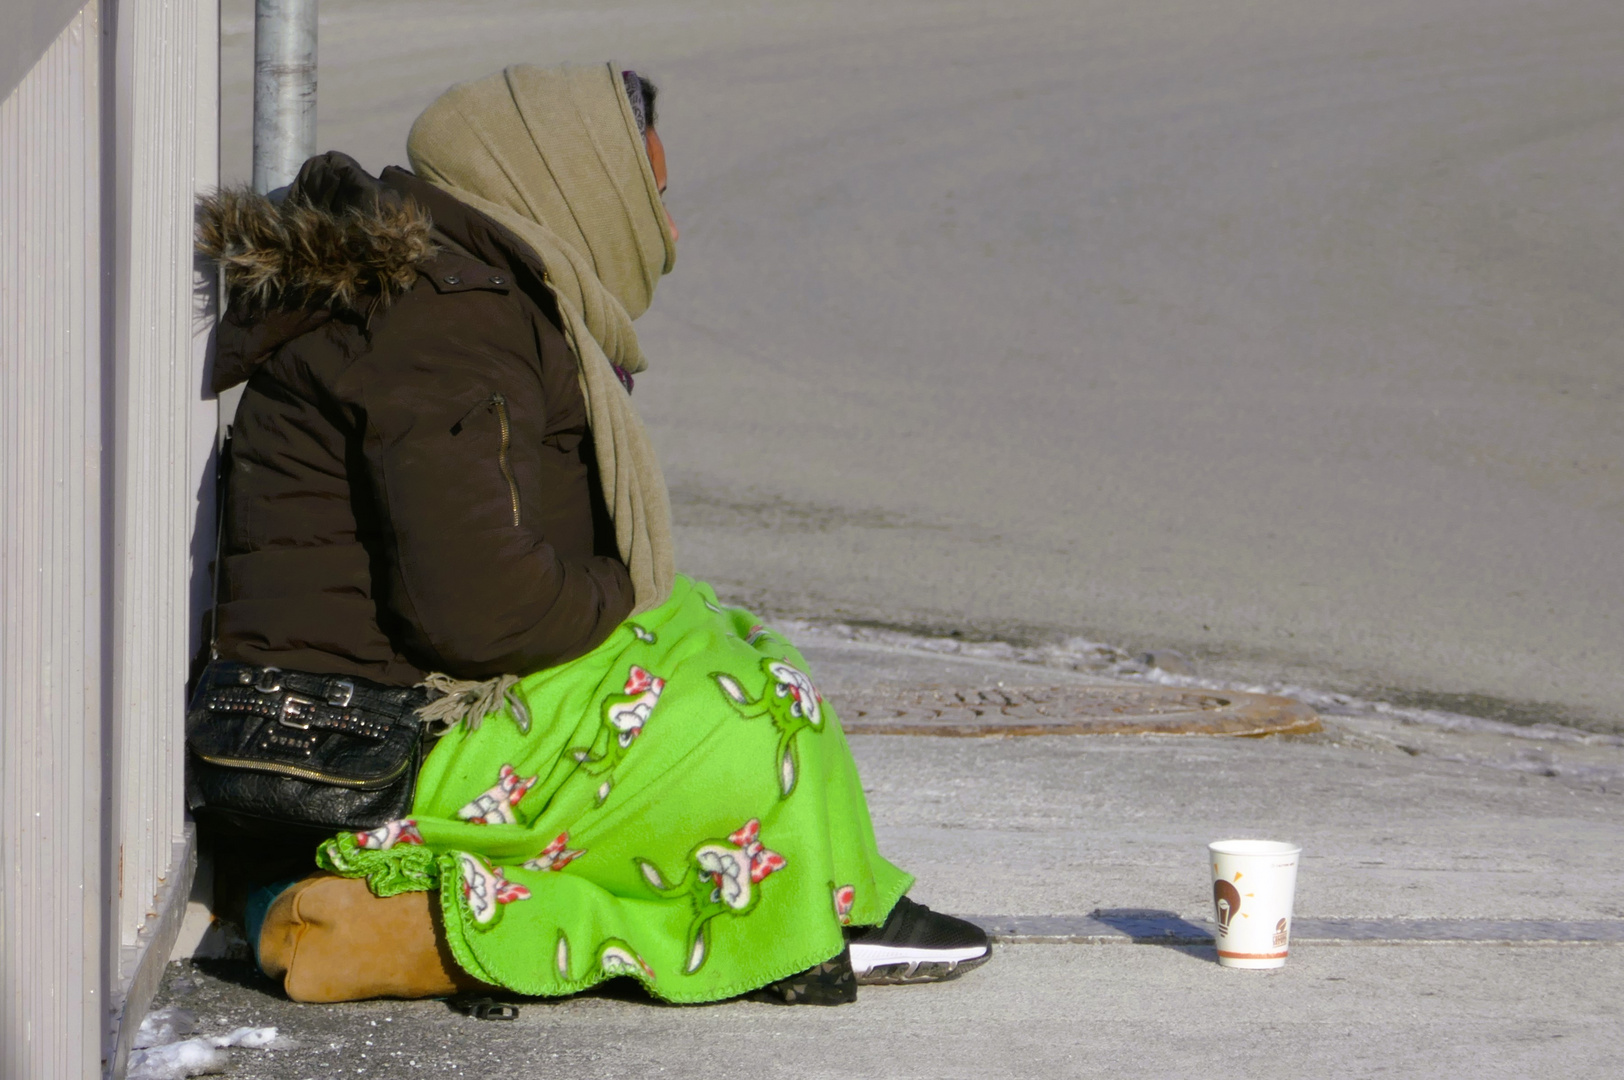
column 300, row 748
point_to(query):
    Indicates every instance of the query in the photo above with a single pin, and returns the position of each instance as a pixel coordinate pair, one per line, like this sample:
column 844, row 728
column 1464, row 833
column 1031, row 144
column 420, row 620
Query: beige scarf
column 554, row 154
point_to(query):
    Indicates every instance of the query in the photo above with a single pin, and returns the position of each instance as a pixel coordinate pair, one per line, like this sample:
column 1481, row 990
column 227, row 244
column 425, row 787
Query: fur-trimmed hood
column 296, row 254
column 343, row 247
column 341, row 244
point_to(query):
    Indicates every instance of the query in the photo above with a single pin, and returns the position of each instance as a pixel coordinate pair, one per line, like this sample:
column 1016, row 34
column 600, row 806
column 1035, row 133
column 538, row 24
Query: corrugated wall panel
column 167, row 138
column 156, row 486
column 102, row 333
column 52, row 962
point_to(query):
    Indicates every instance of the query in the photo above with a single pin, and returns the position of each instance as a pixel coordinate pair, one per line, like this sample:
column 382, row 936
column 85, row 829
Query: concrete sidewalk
column 1412, row 833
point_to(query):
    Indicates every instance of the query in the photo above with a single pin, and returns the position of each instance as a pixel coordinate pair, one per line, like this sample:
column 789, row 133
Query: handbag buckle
column 340, row 692
column 294, row 708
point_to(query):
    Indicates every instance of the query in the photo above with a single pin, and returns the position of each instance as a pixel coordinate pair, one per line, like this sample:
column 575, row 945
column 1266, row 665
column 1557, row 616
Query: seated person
column 437, row 476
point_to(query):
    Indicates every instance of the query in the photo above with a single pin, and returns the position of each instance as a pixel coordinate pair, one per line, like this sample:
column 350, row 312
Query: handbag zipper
column 500, row 402
column 307, row 774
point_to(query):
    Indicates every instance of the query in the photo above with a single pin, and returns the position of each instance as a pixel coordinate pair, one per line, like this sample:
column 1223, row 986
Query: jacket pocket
column 506, row 432
column 497, row 406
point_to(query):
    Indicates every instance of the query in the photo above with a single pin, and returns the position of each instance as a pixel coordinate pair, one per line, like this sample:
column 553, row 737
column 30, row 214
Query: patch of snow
column 163, row 1026
column 161, row 1053
column 176, row 1061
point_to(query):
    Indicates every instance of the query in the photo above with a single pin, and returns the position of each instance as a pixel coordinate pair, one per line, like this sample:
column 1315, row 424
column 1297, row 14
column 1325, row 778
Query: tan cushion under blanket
column 329, row 939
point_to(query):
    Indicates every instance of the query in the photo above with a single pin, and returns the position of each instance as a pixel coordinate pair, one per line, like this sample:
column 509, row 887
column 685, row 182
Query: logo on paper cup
column 1280, row 934
column 1227, row 899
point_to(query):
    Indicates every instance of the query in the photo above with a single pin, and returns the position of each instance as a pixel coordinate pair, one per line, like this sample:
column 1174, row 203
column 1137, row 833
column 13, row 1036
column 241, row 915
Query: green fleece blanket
column 684, row 809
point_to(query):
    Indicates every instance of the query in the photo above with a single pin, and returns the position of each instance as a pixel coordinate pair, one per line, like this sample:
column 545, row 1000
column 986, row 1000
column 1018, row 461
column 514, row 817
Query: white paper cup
column 1253, row 882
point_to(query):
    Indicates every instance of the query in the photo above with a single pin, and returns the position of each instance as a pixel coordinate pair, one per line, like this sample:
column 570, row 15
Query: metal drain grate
column 1070, row 710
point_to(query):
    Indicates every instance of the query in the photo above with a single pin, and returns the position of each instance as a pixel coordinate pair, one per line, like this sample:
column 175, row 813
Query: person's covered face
column 656, row 161
column 562, row 149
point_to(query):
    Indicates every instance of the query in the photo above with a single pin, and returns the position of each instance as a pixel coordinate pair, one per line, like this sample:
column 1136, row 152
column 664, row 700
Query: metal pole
column 284, row 90
column 284, row 112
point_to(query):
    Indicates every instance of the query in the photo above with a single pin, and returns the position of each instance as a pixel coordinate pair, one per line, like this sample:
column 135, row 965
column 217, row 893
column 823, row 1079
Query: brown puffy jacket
column 411, row 484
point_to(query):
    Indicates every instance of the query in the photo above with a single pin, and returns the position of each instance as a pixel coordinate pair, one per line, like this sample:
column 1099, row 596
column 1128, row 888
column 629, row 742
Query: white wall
column 166, row 139
column 53, row 582
column 104, row 439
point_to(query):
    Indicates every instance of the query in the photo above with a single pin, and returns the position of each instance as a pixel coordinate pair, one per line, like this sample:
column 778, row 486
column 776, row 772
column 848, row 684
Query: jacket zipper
column 502, row 453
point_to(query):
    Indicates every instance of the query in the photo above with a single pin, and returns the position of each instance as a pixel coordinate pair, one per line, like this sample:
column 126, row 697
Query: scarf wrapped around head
column 554, row 155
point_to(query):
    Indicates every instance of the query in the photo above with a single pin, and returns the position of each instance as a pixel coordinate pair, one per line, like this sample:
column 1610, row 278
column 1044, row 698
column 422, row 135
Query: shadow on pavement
column 1152, row 926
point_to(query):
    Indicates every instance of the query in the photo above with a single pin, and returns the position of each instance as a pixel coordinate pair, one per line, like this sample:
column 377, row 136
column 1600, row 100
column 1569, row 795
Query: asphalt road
column 1285, row 334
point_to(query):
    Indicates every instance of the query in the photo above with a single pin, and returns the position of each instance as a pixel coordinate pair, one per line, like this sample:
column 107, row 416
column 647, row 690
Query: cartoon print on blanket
column 623, row 718
column 561, row 955
column 495, row 806
column 794, row 705
column 730, row 872
column 389, row 834
column 485, row 890
column 555, row 856
column 844, row 896
column 615, row 957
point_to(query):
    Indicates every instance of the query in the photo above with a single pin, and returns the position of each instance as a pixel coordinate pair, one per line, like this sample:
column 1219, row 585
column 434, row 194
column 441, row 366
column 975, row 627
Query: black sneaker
column 916, row 945
column 828, row 983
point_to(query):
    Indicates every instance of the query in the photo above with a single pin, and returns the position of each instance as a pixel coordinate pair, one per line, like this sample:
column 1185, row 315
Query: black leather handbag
column 274, row 752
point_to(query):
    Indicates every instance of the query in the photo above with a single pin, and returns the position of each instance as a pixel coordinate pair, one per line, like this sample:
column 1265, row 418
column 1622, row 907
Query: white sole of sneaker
column 866, row 957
